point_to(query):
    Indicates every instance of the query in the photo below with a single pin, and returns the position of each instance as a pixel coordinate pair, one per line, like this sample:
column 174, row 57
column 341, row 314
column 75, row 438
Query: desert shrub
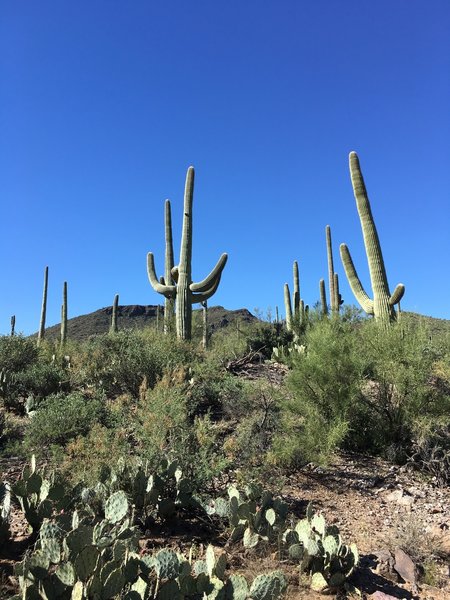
column 258, row 416
column 86, row 457
column 400, row 391
column 263, row 337
column 228, row 343
column 211, row 390
column 60, row 418
column 167, row 429
column 118, row 363
column 323, row 388
column 17, row 354
column 42, row 379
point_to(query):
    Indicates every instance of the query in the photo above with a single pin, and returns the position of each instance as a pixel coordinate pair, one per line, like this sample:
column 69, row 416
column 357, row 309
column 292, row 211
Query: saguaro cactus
column 335, row 297
column 64, row 315
column 294, row 318
column 114, row 328
column 323, row 298
column 183, row 289
column 43, row 309
column 13, row 325
column 383, row 302
column 169, row 303
column 205, row 340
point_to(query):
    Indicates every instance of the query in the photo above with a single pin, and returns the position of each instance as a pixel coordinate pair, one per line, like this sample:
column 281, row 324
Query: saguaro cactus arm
column 354, row 281
column 288, row 307
column 397, row 294
column 169, row 291
column 209, row 281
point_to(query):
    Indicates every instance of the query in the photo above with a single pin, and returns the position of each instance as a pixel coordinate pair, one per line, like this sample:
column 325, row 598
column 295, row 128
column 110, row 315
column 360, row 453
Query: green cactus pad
column 86, row 562
column 268, row 587
column 318, row 582
column 222, row 507
column 251, row 538
column 236, row 588
column 79, row 538
column 336, row 580
column 113, row 585
column 271, row 516
column 66, row 573
column 170, row 590
column 318, row 524
column 116, row 507
column 52, row 548
column 167, row 564
column 78, row 591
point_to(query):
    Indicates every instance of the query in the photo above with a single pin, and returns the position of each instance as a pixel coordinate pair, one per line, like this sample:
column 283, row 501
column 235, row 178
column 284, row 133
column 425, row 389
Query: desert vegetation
column 150, row 457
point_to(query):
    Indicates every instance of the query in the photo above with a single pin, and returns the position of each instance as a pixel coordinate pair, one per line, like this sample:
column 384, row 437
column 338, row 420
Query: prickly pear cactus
column 319, row 550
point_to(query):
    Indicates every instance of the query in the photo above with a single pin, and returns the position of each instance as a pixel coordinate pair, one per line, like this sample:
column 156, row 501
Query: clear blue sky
column 104, row 105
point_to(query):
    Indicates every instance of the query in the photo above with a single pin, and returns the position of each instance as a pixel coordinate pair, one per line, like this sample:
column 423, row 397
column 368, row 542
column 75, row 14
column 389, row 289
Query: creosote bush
column 118, row 363
column 61, row 417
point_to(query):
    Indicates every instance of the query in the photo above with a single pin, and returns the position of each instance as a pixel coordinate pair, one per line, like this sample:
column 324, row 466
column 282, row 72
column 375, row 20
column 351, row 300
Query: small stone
column 404, row 566
column 394, row 496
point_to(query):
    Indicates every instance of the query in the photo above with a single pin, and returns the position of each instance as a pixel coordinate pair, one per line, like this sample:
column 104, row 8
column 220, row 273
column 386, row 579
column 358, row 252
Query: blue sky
column 104, row 105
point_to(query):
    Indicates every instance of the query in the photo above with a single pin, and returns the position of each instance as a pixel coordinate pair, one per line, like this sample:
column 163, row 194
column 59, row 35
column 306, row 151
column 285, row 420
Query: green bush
column 118, row 363
column 17, row 354
column 400, row 391
column 166, row 428
column 362, row 387
column 324, row 387
column 60, row 418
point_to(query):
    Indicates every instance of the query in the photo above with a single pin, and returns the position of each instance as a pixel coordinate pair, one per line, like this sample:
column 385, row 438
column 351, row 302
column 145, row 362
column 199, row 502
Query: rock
column 405, row 500
column 394, row 496
column 404, row 566
column 382, row 596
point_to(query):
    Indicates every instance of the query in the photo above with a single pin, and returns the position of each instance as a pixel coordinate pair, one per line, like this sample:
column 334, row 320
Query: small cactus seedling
column 383, row 302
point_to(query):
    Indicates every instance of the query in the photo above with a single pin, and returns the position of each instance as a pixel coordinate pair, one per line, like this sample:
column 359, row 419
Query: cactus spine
column 184, row 290
column 383, row 302
column 64, row 315
column 323, row 298
column 43, row 308
column 114, row 328
column 13, row 325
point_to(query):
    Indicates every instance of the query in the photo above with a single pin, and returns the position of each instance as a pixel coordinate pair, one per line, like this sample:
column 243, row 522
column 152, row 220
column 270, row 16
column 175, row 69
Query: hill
column 137, row 316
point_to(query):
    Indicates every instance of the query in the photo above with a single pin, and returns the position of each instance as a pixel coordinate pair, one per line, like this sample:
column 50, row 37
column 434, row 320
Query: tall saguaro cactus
column 43, row 308
column 297, row 316
column 330, row 266
column 333, row 282
column 169, row 303
column 114, row 328
column 64, row 315
column 13, row 325
column 383, row 302
column 183, row 290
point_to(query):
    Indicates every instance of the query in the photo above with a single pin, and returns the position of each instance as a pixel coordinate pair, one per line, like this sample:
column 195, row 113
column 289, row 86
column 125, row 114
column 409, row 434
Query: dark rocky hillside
column 137, row 317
